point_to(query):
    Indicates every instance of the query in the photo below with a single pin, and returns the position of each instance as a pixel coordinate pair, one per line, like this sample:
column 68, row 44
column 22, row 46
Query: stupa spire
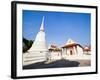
column 42, row 25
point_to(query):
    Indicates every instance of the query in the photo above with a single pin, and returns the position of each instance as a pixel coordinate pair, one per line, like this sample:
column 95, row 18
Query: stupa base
column 34, row 57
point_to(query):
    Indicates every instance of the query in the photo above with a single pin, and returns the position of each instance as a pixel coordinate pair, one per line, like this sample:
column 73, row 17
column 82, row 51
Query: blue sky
column 59, row 26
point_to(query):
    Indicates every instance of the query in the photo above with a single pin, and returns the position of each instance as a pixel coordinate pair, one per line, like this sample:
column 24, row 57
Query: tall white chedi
column 39, row 44
column 39, row 50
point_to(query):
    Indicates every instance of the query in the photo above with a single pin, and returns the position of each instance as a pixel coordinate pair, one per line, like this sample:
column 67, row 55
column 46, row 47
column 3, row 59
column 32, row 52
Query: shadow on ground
column 55, row 64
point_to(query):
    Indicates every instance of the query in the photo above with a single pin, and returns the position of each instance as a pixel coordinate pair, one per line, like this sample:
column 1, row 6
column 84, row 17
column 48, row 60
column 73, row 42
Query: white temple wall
column 79, row 50
column 85, row 52
column 75, row 50
column 55, row 55
column 68, row 51
column 64, row 52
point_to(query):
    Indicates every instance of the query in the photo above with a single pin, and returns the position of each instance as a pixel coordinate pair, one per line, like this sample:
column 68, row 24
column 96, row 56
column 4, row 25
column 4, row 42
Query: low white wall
column 30, row 58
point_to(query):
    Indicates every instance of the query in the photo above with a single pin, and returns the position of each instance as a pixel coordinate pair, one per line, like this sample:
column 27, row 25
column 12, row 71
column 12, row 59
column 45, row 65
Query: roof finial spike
column 42, row 25
column 70, row 41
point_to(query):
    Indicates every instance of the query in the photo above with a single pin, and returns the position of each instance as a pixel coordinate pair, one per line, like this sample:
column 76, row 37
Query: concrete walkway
column 59, row 64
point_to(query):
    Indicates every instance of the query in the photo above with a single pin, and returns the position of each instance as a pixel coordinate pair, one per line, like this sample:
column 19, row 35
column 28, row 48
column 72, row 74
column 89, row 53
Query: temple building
column 39, row 50
column 54, row 52
column 87, row 50
column 72, row 48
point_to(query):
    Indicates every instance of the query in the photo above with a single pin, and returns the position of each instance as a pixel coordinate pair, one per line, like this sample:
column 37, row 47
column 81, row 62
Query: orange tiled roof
column 54, row 48
column 87, row 49
column 71, row 45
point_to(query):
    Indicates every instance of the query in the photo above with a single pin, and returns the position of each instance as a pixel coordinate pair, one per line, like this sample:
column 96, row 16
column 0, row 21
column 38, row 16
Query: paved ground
column 84, row 63
column 58, row 64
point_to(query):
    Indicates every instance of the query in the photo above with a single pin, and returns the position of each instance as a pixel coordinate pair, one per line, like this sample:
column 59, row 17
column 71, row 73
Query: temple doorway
column 71, row 53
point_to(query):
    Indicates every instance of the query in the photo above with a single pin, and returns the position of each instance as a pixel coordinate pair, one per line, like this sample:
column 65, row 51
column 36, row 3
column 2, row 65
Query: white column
column 75, row 50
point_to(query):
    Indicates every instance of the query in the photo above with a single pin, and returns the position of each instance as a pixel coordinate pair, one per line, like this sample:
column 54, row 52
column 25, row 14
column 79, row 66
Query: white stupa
column 39, row 44
column 39, row 50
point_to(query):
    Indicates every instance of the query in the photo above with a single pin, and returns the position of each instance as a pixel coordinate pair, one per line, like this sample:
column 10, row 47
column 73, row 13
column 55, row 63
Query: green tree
column 27, row 44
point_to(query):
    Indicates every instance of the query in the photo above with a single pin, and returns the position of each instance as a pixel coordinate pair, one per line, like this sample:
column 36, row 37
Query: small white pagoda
column 39, row 50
